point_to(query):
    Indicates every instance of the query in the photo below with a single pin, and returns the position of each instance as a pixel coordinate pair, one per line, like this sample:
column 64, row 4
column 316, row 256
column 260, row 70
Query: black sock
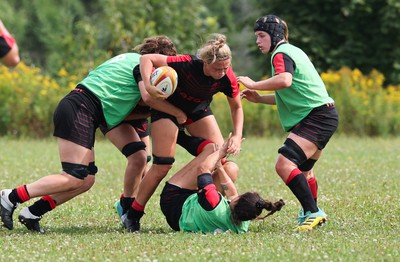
column 301, row 190
column 40, row 207
column 126, row 203
column 135, row 215
column 13, row 197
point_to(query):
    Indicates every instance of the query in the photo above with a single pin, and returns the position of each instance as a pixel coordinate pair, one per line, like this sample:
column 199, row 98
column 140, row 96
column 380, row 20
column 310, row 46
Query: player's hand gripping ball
column 165, row 79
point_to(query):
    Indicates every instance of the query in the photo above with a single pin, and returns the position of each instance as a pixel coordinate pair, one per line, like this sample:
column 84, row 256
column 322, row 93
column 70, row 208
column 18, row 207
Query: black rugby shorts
column 318, row 126
column 191, row 117
column 77, row 117
column 171, row 202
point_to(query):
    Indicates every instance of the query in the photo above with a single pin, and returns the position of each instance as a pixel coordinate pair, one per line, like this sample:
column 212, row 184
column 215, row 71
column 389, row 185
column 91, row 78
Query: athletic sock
column 126, row 202
column 297, row 183
column 42, row 206
column 136, row 212
column 19, row 195
column 312, row 183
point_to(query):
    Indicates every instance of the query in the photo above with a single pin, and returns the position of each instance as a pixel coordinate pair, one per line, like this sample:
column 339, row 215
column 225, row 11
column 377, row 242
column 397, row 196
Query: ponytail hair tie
column 260, row 203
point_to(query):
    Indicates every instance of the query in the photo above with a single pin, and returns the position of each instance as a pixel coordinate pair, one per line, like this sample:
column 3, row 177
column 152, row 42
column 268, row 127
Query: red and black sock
column 297, row 182
column 136, row 212
column 19, row 195
column 42, row 206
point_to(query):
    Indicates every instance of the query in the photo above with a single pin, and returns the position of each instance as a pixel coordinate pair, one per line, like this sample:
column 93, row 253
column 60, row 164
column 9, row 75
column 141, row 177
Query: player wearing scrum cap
column 305, row 110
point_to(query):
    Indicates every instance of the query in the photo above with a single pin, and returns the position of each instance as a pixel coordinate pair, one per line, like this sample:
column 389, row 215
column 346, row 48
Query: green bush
column 28, row 99
column 365, row 106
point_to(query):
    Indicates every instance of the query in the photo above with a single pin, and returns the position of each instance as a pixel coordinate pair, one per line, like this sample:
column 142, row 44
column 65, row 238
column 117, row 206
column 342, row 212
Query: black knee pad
column 307, row 165
column 163, row 160
column 148, row 159
column 92, row 169
column 75, row 170
column 293, row 152
column 132, row 148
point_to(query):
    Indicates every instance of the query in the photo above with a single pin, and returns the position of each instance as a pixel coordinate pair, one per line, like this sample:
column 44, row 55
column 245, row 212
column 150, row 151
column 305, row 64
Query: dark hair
column 156, row 45
column 250, row 205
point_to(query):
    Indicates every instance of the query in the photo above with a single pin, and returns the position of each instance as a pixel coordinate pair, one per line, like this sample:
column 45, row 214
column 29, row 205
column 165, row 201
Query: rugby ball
column 165, row 79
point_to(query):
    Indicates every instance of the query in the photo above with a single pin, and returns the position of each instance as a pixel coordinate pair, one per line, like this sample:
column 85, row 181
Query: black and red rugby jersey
column 195, row 90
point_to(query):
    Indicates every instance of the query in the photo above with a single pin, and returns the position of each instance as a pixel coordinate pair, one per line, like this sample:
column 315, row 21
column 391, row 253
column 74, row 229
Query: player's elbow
column 12, row 59
column 285, row 79
column 13, row 62
column 148, row 99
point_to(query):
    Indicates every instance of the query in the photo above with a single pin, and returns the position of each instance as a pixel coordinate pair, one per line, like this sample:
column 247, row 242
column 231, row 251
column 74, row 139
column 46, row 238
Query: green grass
column 359, row 182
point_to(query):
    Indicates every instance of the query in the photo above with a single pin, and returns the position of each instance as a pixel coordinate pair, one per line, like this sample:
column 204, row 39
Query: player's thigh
column 164, row 133
column 122, row 135
column 207, row 128
column 71, row 152
column 308, row 147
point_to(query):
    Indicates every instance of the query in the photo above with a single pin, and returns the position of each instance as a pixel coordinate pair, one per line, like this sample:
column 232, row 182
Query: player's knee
column 75, row 170
column 293, row 152
column 88, row 183
column 137, row 160
column 133, row 147
column 232, row 169
column 92, row 169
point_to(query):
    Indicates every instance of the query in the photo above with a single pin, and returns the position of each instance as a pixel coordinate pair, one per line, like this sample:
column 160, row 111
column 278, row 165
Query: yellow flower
column 62, row 72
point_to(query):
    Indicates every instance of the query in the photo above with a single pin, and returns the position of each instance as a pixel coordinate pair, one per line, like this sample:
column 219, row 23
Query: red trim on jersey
column 295, row 172
column 50, row 200
column 8, row 38
column 212, row 195
column 179, row 58
column 234, row 84
column 23, row 193
column 229, row 73
column 279, row 63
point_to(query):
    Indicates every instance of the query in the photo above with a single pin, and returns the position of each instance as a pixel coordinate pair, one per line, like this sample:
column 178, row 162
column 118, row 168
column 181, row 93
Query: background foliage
column 352, row 43
column 78, row 34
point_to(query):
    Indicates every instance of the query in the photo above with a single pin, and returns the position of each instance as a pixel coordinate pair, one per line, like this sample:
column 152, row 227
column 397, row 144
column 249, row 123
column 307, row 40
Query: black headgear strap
column 272, row 25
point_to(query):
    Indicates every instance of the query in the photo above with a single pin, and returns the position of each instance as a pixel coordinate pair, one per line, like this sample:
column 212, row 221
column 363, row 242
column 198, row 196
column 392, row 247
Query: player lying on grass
column 194, row 145
column 191, row 202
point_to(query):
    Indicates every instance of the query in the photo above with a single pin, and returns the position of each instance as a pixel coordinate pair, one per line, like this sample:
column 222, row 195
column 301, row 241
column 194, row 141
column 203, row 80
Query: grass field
column 359, row 182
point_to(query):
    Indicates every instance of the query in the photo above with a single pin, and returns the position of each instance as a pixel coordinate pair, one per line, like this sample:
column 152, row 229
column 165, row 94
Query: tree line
column 77, row 35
